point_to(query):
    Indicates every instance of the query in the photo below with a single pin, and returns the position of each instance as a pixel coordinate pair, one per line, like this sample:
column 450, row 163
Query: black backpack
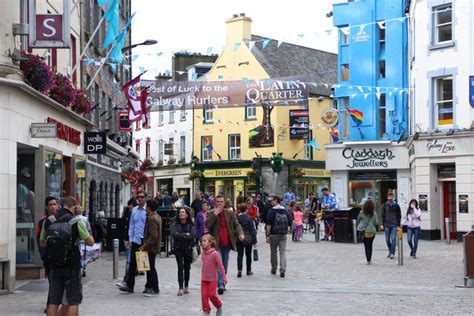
column 280, row 223
column 59, row 243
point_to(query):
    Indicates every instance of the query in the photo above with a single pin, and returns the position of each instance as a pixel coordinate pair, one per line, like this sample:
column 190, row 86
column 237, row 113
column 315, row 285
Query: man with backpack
column 60, row 235
column 279, row 222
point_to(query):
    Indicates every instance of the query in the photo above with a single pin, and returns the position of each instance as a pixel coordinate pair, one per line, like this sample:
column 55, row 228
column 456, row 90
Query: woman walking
column 367, row 223
column 413, row 220
column 182, row 231
column 250, row 238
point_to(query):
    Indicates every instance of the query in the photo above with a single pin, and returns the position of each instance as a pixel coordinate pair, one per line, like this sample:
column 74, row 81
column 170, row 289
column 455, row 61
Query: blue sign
column 471, row 90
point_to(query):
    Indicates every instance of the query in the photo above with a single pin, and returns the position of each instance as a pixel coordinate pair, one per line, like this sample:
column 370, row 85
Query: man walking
column 127, row 212
column 152, row 244
column 224, row 227
column 391, row 217
column 136, row 229
column 289, row 197
column 196, row 205
column 279, row 221
column 328, row 205
column 59, row 236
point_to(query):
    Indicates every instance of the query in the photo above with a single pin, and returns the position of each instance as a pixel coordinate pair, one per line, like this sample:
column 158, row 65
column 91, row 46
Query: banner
column 299, row 124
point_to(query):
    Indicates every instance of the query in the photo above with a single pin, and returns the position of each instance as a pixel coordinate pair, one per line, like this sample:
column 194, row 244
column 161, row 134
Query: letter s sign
column 49, row 27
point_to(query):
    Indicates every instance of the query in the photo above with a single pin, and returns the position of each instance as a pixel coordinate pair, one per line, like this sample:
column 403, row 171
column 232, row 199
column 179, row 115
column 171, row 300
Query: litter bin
column 115, row 230
column 468, row 256
column 343, row 223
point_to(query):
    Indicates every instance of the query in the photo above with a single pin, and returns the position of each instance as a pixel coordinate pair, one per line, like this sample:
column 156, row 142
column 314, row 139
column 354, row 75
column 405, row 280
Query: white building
column 441, row 145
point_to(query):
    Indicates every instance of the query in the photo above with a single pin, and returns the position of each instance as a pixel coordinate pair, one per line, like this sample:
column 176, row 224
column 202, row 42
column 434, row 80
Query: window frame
column 345, row 69
column 235, row 152
column 436, row 102
column 249, row 108
column 436, row 10
column 161, row 118
column 205, row 154
column 344, row 119
column 308, row 150
column 208, row 114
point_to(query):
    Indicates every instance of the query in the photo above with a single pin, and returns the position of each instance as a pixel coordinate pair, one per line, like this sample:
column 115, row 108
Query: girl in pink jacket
column 211, row 262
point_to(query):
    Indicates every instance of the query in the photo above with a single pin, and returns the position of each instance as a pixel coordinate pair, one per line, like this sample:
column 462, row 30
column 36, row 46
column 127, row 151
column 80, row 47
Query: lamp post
column 147, row 42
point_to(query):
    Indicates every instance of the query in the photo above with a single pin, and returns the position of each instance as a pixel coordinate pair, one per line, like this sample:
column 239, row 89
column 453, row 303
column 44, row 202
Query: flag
column 334, row 134
column 111, row 16
column 314, row 144
column 208, row 143
column 143, row 102
column 136, row 100
column 116, row 54
column 357, row 116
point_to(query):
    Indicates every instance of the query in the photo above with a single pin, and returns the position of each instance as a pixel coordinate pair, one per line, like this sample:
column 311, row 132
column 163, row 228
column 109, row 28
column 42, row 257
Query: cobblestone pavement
column 322, row 278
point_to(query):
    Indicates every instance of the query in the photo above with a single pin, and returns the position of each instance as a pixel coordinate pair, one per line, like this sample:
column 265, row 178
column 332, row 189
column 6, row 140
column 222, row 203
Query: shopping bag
column 143, row 262
column 255, row 254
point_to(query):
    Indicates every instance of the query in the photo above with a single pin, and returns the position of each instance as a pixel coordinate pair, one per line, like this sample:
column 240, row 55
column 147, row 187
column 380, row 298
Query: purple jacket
column 200, row 227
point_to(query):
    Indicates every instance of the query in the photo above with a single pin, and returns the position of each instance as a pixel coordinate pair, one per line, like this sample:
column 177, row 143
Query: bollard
column 466, row 276
column 400, row 247
column 116, row 258
column 354, row 231
column 448, row 231
column 316, row 230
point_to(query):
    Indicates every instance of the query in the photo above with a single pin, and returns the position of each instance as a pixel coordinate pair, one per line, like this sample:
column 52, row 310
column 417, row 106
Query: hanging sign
column 95, row 143
column 299, row 124
column 471, row 90
column 329, row 117
column 49, row 30
column 123, row 122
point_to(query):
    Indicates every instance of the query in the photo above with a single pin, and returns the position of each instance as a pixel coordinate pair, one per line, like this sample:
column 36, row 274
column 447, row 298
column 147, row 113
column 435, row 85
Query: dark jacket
column 127, row 212
column 271, row 216
column 391, row 215
column 248, row 226
column 183, row 237
column 264, row 212
column 166, row 200
column 152, row 234
column 212, row 223
column 196, row 205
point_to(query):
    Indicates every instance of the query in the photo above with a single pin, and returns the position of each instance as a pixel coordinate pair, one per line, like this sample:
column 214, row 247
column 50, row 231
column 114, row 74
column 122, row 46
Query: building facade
column 441, row 144
column 372, row 93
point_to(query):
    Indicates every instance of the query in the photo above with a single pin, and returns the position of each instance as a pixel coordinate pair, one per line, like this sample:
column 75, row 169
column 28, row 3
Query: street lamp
column 147, row 42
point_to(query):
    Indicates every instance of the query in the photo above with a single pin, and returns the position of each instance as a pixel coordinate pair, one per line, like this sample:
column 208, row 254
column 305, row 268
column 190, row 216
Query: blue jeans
column 224, row 252
column 128, row 252
column 413, row 234
column 391, row 239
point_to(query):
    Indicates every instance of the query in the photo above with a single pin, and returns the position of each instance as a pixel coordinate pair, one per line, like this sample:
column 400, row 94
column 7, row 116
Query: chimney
column 238, row 29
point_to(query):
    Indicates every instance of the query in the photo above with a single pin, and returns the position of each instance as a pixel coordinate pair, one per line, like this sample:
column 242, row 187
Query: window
column 381, row 28
column 206, row 148
column 182, row 115
column 182, row 148
column 171, row 117
column 344, row 36
column 443, row 24
column 160, row 116
column 251, row 112
column 137, row 146
column 382, row 69
column 308, row 150
column 444, row 101
column 344, row 120
column 234, row 147
column 208, row 114
column 345, row 72
column 147, row 148
column 160, row 150
column 382, row 115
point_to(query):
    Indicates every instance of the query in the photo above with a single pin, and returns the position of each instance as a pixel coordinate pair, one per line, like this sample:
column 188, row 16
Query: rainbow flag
column 208, row 142
column 357, row 116
column 334, row 135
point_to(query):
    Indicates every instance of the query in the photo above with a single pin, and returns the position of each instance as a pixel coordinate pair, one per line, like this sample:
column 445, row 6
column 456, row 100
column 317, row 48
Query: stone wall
column 271, row 182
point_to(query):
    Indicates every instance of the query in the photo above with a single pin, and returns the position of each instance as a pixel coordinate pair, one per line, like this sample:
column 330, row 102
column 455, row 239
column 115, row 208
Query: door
column 229, row 190
column 449, row 207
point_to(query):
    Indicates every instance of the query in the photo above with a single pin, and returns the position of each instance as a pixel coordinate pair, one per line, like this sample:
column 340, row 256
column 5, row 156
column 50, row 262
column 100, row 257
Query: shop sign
column 227, row 173
column 372, row 175
column 329, row 117
column 367, row 157
column 95, row 143
column 440, row 146
column 66, row 133
column 49, row 30
column 316, row 173
column 43, row 130
column 423, row 202
column 463, row 203
column 299, row 124
column 447, row 171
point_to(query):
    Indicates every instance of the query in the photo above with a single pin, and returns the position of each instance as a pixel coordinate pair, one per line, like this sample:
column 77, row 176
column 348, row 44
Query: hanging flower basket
column 36, row 72
column 81, row 103
column 195, row 174
column 62, row 91
column 146, row 164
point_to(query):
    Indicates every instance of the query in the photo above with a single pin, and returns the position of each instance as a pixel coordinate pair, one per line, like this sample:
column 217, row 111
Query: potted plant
column 171, row 161
column 62, row 90
column 36, row 72
column 81, row 103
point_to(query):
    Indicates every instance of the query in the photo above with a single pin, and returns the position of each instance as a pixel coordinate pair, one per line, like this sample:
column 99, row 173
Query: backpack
column 280, row 223
column 59, row 245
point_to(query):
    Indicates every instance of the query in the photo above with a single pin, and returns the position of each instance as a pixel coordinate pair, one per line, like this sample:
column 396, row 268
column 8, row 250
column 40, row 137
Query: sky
column 199, row 26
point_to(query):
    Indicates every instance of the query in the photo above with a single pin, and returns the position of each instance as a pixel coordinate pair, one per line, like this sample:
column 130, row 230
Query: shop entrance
column 229, row 190
column 449, row 207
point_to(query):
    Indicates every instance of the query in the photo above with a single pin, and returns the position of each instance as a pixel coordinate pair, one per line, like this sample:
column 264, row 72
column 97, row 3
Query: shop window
column 182, row 148
column 382, row 115
column 443, row 106
column 442, row 24
column 206, row 148
column 234, row 147
column 147, row 148
column 53, row 174
column 345, row 72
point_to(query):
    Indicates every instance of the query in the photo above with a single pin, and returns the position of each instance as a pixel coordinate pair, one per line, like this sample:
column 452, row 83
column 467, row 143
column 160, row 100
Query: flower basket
column 171, row 161
column 81, row 103
column 195, row 174
column 62, row 91
column 36, row 72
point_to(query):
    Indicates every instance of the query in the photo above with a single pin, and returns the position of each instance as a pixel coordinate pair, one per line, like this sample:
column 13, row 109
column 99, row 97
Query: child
column 298, row 217
column 211, row 262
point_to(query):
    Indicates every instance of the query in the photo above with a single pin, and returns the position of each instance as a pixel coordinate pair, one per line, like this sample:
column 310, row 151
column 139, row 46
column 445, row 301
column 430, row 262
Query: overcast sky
column 196, row 25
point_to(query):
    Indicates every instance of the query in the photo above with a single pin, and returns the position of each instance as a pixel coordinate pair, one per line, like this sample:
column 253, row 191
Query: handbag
column 404, row 221
column 143, row 261
column 247, row 239
column 195, row 254
column 255, row 254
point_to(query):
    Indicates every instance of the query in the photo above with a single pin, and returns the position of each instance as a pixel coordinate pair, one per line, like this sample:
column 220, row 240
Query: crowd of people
column 210, row 227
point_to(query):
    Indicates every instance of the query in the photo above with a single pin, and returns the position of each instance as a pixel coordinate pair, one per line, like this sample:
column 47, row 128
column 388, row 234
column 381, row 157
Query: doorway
column 449, row 207
column 229, row 190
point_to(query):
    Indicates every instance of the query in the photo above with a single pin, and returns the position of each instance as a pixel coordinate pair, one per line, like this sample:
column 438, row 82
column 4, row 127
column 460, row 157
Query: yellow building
column 236, row 146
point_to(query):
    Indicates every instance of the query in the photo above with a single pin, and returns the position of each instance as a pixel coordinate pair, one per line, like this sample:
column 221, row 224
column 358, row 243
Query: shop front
column 369, row 171
column 172, row 179
column 442, row 173
column 308, row 177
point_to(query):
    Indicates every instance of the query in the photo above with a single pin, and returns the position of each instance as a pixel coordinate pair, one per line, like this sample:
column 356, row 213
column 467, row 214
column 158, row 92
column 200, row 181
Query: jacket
column 391, row 215
column 367, row 223
column 212, row 223
column 181, row 240
column 211, row 263
column 200, row 227
column 248, row 226
column 414, row 218
column 152, row 234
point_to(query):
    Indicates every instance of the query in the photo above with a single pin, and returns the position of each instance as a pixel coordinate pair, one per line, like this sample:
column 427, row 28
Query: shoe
column 126, row 289
column 152, row 293
column 392, row 256
column 389, row 255
column 220, row 291
column 121, row 283
column 186, row 290
column 282, row 274
column 368, row 262
column 239, row 274
column 147, row 290
column 273, row 271
column 45, row 311
column 219, row 311
column 180, row 292
column 414, row 256
column 249, row 273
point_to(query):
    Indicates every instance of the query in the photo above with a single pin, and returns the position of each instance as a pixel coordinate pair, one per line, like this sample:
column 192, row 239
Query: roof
column 304, row 63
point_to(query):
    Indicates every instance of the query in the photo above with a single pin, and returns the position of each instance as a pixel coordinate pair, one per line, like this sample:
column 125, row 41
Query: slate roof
column 290, row 60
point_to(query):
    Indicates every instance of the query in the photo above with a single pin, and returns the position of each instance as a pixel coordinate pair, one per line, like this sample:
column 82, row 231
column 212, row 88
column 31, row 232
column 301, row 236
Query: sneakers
column 146, row 290
column 121, row 283
column 392, row 256
column 186, row 290
column 180, row 292
column 152, row 293
column 220, row 291
column 219, row 311
column 239, row 274
column 126, row 289
column 282, row 274
column 249, row 273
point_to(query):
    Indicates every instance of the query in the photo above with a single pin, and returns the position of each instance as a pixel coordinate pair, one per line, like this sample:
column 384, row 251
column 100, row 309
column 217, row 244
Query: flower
column 62, row 91
column 81, row 103
column 36, row 72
